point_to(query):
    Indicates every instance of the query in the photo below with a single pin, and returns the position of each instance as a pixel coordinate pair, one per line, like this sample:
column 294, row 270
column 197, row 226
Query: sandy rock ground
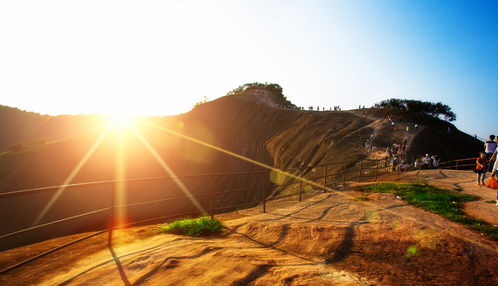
column 328, row 239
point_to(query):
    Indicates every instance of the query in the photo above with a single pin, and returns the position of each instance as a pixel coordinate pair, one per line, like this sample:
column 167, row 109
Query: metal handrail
column 343, row 171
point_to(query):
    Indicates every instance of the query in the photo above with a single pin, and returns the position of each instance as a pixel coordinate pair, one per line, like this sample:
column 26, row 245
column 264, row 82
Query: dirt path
column 330, row 239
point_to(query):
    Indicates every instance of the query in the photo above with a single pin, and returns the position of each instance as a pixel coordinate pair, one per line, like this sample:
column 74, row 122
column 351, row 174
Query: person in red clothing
column 481, row 168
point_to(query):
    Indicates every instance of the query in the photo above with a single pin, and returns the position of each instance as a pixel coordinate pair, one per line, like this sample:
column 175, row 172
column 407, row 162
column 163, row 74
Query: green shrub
column 193, row 227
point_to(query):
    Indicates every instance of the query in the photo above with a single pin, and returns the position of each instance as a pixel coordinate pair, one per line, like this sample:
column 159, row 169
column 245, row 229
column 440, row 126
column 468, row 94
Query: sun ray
column 120, row 187
column 71, row 176
column 170, row 172
column 277, row 172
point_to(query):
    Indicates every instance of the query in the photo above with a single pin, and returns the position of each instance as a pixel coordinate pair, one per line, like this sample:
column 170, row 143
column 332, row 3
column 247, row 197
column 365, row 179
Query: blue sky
column 160, row 57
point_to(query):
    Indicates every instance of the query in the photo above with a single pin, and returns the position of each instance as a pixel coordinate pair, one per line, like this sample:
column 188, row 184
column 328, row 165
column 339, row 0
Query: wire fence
column 269, row 185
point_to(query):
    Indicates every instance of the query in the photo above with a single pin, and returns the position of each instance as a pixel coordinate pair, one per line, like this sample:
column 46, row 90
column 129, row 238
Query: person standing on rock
column 481, row 168
column 490, row 149
column 493, row 174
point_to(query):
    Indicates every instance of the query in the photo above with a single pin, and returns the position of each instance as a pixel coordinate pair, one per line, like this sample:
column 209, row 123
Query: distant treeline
column 437, row 110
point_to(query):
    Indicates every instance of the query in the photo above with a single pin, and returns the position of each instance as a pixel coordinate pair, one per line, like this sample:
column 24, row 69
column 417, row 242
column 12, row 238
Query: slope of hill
column 252, row 123
column 21, row 127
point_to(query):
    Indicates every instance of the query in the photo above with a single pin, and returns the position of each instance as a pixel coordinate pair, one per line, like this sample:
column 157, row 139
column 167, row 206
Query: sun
column 121, row 121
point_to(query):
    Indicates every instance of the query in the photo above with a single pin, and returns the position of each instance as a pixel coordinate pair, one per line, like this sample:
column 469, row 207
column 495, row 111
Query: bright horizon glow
column 121, row 121
column 161, row 57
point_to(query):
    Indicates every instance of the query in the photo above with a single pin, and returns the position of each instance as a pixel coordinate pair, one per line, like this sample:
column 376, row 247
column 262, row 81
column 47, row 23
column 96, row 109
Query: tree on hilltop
column 273, row 88
column 436, row 110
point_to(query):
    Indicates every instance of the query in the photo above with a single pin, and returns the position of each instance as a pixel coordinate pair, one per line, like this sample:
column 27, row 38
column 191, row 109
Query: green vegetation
column 273, row 88
column 361, row 198
column 416, row 106
column 193, row 227
column 204, row 100
column 412, row 250
column 491, row 202
column 440, row 201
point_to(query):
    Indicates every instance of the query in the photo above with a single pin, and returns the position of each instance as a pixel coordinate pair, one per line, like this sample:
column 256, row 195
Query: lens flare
column 71, row 176
column 119, row 215
column 170, row 172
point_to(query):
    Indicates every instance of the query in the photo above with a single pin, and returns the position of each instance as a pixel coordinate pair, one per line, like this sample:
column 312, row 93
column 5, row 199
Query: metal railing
column 459, row 164
column 331, row 174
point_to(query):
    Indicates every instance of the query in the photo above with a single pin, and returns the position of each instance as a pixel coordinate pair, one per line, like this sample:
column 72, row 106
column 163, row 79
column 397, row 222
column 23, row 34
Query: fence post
column 211, row 190
column 376, row 171
column 300, row 183
column 325, row 179
column 361, row 170
column 111, row 215
column 456, row 166
column 344, row 175
column 263, row 192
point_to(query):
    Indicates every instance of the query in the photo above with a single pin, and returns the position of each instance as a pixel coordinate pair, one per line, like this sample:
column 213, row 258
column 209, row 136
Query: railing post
column 111, row 215
column 325, row 179
column 300, row 182
column 263, row 192
column 361, row 170
column 376, row 171
column 456, row 165
column 211, row 190
column 344, row 175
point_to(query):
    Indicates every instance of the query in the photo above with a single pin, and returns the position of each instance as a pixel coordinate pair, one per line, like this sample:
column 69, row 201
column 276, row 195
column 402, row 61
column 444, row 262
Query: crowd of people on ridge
column 396, row 158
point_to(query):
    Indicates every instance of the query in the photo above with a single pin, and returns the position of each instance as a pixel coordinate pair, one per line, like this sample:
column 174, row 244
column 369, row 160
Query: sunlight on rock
column 394, row 224
column 427, row 238
column 200, row 154
column 371, row 215
column 308, row 188
column 277, row 177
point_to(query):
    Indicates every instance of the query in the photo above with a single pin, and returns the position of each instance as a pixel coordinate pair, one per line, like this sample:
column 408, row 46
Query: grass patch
column 440, row 201
column 361, row 198
column 193, row 227
column 491, row 202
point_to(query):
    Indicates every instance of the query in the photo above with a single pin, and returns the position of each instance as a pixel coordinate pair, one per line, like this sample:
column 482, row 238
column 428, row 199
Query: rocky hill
column 259, row 124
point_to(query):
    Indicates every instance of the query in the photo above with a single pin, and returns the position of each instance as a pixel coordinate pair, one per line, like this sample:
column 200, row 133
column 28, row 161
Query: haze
column 160, row 57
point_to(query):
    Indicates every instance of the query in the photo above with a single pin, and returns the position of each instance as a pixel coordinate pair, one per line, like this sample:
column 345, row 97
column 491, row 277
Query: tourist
column 481, row 168
column 394, row 163
column 490, row 149
column 403, row 166
column 490, row 146
column 389, row 152
column 418, row 162
column 426, row 162
column 435, row 161
column 493, row 174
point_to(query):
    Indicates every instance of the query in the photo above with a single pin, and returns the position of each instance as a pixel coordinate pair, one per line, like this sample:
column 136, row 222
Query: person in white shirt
column 490, row 146
column 426, row 162
column 490, row 150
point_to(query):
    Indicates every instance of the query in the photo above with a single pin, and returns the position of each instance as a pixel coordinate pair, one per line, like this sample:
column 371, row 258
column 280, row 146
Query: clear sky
column 160, row 57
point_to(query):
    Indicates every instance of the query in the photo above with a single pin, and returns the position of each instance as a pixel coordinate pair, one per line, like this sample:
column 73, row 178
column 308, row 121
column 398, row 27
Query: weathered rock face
column 215, row 137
